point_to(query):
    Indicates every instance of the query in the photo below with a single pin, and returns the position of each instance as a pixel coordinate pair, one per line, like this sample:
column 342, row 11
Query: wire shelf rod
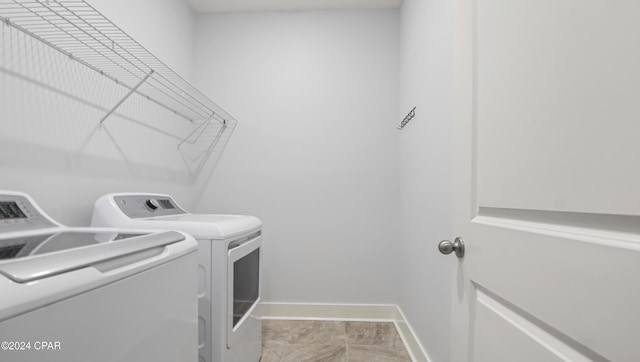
column 182, row 91
column 125, row 97
column 70, row 31
column 104, row 60
column 200, row 128
column 65, row 31
column 102, row 72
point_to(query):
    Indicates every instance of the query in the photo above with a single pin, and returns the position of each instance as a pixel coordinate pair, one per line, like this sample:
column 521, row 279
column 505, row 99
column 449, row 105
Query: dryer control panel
column 140, row 206
column 18, row 213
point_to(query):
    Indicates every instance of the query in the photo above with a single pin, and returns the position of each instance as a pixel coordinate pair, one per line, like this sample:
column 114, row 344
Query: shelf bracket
column 133, row 90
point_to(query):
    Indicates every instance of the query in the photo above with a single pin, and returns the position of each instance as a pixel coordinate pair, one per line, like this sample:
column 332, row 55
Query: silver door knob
column 446, row 247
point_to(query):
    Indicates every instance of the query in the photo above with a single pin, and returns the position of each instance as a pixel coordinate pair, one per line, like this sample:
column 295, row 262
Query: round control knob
column 152, row 204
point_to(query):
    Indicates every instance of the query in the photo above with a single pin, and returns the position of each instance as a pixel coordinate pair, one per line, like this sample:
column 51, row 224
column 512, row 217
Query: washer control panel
column 141, row 206
column 18, row 213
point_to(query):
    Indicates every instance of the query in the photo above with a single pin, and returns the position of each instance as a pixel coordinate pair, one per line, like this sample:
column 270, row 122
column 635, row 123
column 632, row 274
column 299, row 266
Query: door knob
column 446, row 247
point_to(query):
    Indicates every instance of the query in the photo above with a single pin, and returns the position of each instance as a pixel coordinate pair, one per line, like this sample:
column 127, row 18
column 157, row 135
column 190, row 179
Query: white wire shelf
column 81, row 33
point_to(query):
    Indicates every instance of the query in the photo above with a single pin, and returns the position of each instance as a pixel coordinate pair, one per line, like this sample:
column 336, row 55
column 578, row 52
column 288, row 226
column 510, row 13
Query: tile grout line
column 346, row 342
column 284, row 346
column 347, row 349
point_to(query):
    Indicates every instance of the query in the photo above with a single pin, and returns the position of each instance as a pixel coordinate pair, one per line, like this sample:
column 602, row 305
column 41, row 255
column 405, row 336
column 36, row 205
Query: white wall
column 315, row 152
column 426, row 80
column 48, row 145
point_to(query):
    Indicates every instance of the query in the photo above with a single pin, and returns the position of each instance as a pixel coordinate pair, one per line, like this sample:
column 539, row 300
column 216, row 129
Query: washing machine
column 93, row 294
column 229, row 268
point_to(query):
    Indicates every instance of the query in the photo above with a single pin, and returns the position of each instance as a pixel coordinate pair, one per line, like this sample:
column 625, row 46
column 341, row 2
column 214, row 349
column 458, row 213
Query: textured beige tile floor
column 331, row 341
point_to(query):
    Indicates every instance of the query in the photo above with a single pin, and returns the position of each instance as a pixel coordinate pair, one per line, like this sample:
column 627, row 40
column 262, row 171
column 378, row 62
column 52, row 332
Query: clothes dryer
column 229, row 268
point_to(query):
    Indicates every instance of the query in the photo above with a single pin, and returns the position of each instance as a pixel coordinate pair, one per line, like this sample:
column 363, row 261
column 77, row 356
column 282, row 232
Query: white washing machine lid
column 31, row 257
column 202, row 226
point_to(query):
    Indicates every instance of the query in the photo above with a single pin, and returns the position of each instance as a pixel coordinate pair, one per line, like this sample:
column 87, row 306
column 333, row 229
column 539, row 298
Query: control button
column 152, row 204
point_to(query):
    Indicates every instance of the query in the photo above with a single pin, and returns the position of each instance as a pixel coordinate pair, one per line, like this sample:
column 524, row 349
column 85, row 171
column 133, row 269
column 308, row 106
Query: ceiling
column 224, row 6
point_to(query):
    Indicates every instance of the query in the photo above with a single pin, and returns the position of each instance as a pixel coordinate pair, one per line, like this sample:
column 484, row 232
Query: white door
column 547, row 180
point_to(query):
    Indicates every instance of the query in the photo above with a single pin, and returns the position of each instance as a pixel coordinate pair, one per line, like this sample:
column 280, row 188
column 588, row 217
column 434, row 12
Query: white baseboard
column 350, row 312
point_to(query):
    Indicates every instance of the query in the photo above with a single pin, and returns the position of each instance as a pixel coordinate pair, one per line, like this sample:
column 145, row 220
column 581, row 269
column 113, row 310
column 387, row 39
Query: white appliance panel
column 116, row 321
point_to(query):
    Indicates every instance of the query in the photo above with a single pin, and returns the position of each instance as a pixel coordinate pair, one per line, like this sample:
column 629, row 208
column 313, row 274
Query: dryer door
column 243, row 293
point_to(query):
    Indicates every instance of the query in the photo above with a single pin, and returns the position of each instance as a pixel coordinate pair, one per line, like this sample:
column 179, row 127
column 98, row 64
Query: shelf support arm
column 133, row 90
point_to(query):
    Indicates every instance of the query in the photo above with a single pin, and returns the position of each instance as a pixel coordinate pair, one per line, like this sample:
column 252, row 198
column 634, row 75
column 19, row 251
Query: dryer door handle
column 239, row 242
